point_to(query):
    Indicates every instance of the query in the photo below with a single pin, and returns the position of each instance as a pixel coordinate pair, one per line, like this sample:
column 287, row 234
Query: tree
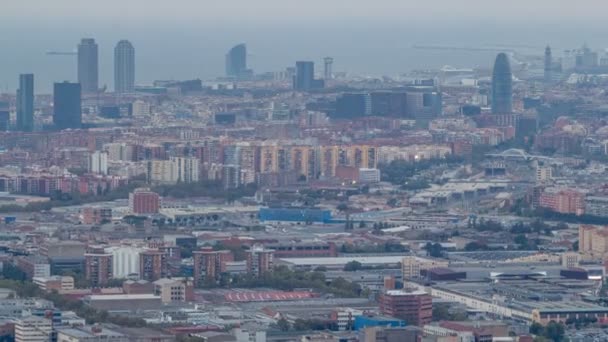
column 353, row 266
column 475, row 246
column 434, row 250
column 536, row 328
column 342, row 207
column 283, row 324
column 554, row 331
column 521, row 239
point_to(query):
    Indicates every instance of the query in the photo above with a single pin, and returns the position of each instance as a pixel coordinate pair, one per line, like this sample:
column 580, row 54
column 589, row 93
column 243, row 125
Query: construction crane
column 61, row 53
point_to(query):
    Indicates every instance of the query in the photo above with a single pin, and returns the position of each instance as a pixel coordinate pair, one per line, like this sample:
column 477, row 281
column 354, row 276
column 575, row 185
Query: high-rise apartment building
column 88, row 65
column 144, row 201
column 25, row 103
column 153, row 265
column 259, row 260
column 67, row 110
column 98, row 162
column 502, row 92
column 124, row 67
column 210, row 264
column 416, row 307
column 98, row 266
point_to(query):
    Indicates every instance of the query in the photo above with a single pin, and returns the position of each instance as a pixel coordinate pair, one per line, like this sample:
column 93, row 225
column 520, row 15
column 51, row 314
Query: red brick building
column 259, row 260
column 144, row 201
column 416, row 307
column 210, row 264
column 98, row 266
column 153, row 265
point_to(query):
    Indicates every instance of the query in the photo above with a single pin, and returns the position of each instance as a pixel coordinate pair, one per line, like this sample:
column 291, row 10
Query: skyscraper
column 548, row 65
column 88, row 65
column 124, row 67
column 502, row 92
column 327, row 72
column 304, row 79
column 25, row 103
column 305, row 75
column 236, row 61
column 67, row 106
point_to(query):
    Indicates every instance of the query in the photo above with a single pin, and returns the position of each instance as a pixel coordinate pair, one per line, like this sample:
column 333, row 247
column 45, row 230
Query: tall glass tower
column 124, row 67
column 236, row 61
column 25, row 103
column 88, row 65
column 67, row 105
column 502, row 91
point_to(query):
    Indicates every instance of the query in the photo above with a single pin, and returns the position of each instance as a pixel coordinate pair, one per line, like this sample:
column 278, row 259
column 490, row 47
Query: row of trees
column 401, row 171
column 213, row 189
column 283, row 278
column 553, row 331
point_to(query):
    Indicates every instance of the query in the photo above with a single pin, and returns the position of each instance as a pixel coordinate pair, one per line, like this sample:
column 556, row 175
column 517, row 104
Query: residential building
column 414, row 307
column 144, row 201
column 33, row 329
column 259, row 260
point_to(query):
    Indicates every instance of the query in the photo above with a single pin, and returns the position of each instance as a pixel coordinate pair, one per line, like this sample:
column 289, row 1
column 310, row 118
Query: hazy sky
column 184, row 39
column 240, row 12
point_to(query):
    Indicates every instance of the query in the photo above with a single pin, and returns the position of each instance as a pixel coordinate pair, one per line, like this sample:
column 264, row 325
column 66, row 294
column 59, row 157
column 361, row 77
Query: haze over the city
column 186, row 38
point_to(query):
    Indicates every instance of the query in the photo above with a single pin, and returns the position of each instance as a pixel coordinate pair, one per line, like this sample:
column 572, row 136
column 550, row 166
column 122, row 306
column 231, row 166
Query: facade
column 144, row 201
column 412, row 266
column 88, row 65
column 34, row 266
column 570, row 259
column 95, row 333
column 125, row 260
column 94, row 215
column 54, row 283
column 98, row 162
column 259, row 260
column 565, row 201
column 174, row 170
column 304, row 79
column 414, row 307
column 33, row 329
column 369, row 175
column 67, row 110
column 174, row 290
column 153, row 265
column 596, row 206
column 98, row 266
column 593, row 240
column 210, row 264
column 25, row 103
column 124, row 67
column 236, row 61
column 502, row 92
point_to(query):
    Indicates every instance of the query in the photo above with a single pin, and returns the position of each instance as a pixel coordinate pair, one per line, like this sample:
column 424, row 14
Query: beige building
column 570, row 259
column 412, row 265
column 593, row 241
column 33, row 329
column 177, row 169
column 174, row 290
